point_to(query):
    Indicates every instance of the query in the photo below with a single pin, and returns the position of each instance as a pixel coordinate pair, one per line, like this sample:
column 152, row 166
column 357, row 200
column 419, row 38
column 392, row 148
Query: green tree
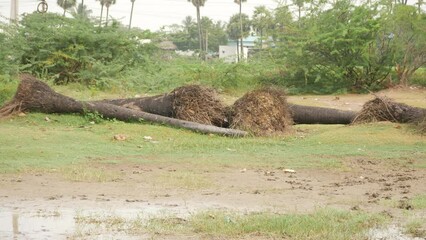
column 262, row 22
column 66, row 4
column 77, row 51
column 339, row 48
column 198, row 4
column 300, row 4
column 234, row 29
column 408, row 32
column 215, row 34
column 82, row 11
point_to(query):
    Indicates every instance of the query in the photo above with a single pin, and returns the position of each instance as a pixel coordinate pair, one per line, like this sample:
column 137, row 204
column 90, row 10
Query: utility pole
column 14, row 11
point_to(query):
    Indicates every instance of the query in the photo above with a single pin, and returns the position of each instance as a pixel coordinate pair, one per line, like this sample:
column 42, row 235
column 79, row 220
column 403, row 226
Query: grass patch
column 31, row 142
column 416, row 228
column 322, row 224
column 418, row 202
column 83, row 173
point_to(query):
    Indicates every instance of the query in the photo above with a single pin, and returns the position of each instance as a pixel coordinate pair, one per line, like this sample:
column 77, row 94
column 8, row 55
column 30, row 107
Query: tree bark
column 159, row 104
column 319, row 115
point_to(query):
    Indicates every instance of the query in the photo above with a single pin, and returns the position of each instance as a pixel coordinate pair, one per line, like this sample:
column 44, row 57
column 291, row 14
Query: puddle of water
column 70, row 223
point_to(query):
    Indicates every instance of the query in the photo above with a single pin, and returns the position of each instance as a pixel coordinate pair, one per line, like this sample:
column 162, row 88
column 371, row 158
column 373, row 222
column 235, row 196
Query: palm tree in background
column 102, row 2
column 108, row 4
column 131, row 13
column 66, row 4
column 82, row 11
column 198, row 4
column 239, row 2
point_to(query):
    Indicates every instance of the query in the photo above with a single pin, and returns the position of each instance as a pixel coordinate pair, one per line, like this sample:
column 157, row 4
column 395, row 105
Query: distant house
column 229, row 52
column 167, row 45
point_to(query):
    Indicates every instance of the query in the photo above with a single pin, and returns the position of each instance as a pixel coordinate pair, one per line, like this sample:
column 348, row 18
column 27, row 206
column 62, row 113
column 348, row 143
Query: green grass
column 416, row 228
column 418, row 202
column 30, row 142
column 321, row 224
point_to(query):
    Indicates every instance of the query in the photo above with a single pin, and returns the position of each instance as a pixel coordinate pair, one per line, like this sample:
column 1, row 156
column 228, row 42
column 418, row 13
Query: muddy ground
column 373, row 186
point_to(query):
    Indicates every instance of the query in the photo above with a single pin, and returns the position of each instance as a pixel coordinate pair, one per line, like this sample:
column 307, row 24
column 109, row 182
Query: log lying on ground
column 319, row 115
column 384, row 109
column 159, row 104
column 193, row 103
column 164, row 105
column 34, row 95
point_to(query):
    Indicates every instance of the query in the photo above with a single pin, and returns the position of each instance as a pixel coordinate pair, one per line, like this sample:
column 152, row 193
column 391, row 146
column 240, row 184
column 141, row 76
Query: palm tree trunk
column 106, row 18
column 65, row 6
column 200, row 34
column 241, row 29
column 131, row 14
column 100, row 20
column 82, row 8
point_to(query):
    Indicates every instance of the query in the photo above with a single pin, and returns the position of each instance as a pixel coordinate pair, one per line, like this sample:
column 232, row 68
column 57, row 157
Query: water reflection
column 78, row 224
column 36, row 225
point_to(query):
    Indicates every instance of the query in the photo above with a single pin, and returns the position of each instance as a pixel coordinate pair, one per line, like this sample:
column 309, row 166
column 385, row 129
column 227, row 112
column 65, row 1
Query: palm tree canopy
column 239, row 1
column 102, row 2
column 108, row 3
column 66, row 4
column 198, row 3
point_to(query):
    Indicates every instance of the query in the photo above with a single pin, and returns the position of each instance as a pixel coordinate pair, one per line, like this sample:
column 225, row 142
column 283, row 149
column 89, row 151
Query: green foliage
column 234, row 27
column 74, row 50
column 9, row 55
column 322, row 224
column 328, row 53
column 7, row 88
column 185, row 36
column 93, row 117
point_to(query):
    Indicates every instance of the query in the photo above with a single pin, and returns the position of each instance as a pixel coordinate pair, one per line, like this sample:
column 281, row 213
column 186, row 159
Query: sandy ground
column 45, row 205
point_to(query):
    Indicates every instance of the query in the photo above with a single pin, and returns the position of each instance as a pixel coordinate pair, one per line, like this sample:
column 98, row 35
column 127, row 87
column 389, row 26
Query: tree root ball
column 199, row 104
column 384, row 109
column 263, row 112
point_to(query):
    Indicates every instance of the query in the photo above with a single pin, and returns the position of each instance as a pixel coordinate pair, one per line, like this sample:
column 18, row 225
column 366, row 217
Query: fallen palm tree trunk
column 193, row 103
column 159, row 104
column 164, row 105
column 384, row 109
column 34, row 95
column 319, row 115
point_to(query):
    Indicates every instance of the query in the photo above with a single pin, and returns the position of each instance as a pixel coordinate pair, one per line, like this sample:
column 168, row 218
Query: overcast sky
column 151, row 14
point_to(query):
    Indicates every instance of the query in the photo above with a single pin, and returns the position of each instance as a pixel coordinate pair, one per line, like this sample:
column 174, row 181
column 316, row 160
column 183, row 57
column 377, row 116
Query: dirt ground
column 370, row 186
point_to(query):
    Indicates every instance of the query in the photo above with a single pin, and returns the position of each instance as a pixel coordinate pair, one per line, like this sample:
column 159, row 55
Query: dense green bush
column 75, row 50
